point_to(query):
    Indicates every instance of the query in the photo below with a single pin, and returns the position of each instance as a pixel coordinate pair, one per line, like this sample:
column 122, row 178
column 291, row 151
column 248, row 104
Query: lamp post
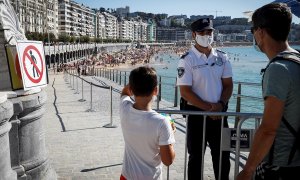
column 48, row 32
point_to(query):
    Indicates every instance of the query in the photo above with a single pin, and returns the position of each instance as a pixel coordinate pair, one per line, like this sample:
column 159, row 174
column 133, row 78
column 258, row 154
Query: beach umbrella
column 293, row 4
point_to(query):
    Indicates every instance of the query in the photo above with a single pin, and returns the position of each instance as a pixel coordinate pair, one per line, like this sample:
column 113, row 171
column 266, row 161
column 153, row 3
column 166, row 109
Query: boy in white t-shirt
column 148, row 135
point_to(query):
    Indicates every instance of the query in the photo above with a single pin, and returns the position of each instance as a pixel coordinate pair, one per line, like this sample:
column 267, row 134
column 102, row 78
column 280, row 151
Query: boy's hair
column 142, row 81
column 276, row 18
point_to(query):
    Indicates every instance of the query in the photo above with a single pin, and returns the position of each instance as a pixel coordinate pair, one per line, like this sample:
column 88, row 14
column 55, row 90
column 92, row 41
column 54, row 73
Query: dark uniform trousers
column 194, row 145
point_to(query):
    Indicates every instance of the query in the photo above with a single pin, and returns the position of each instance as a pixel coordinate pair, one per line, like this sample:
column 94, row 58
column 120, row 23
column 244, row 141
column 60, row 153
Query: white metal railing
column 242, row 118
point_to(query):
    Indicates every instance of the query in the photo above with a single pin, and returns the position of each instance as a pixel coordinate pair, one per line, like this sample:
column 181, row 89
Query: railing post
column 120, row 78
column 159, row 89
column 168, row 173
column 185, row 148
column 117, row 76
column 109, row 74
column 82, row 99
column 238, row 104
column 176, row 94
column 73, row 83
column 203, row 144
column 66, row 76
column 157, row 101
column 113, row 75
column 77, row 92
column 125, row 77
column 91, row 104
column 110, row 125
column 221, row 152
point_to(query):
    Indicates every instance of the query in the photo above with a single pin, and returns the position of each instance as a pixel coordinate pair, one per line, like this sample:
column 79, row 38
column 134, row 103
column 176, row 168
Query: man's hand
column 126, row 91
column 243, row 175
column 216, row 107
column 173, row 127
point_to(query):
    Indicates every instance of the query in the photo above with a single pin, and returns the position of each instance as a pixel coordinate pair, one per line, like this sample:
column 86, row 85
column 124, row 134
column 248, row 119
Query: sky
column 233, row 8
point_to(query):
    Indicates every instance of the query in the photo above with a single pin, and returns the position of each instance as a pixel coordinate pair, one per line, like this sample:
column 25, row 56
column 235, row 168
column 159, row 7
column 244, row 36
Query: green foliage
column 72, row 39
column 64, row 38
column 85, row 39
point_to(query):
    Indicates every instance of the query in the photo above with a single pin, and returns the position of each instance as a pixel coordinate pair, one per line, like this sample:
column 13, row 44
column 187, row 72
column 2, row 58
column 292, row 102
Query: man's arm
column 264, row 136
column 227, row 89
column 167, row 154
column 126, row 91
column 187, row 94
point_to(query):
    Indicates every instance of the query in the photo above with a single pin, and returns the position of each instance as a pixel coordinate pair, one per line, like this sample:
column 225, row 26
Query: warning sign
column 32, row 64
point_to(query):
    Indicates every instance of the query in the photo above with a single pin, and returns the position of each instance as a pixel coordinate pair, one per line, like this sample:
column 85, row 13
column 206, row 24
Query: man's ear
column 193, row 35
column 130, row 90
column 155, row 91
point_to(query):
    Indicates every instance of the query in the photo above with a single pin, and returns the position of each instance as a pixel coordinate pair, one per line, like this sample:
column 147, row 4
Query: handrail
column 169, row 89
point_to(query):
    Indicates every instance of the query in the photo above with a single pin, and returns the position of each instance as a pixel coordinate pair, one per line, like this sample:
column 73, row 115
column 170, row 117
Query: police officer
column 205, row 81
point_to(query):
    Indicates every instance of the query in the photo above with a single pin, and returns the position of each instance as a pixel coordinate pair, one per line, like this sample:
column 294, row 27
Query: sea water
column 246, row 66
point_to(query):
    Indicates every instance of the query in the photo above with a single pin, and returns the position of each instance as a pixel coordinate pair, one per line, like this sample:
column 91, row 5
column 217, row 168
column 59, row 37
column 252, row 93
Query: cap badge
column 204, row 21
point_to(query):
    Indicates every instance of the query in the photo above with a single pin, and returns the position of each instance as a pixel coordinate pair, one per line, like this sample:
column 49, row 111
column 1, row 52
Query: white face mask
column 205, row 40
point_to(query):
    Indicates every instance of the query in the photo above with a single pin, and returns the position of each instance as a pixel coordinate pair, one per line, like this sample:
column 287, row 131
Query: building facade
column 75, row 19
column 37, row 15
column 151, row 30
column 110, row 26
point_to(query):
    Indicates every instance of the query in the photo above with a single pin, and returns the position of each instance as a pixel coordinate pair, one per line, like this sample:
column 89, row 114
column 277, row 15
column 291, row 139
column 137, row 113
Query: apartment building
column 125, row 29
column 37, row 15
column 142, row 31
column 100, row 26
column 123, row 12
column 110, row 26
column 171, row 34
column 151, row 30
column 75, row 19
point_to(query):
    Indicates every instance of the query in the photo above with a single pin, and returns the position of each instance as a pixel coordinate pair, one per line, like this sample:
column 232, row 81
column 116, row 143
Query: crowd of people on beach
column 119, row 59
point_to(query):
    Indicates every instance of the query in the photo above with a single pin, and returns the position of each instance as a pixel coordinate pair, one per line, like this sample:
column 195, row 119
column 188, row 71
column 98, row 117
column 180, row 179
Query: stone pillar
column 30, row 157
column 25, row 150
column 4, row 71
column 6, row 112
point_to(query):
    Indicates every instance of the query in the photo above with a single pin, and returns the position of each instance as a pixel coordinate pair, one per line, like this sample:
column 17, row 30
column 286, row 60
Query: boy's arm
column 167, row 154
column 126, row 91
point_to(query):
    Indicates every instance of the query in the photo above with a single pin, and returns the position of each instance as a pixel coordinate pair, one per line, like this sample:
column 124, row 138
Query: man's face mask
column 205, row 40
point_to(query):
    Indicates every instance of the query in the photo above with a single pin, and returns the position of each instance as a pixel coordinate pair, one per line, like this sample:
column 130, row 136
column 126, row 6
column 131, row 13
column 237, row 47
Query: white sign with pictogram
column 32, row 64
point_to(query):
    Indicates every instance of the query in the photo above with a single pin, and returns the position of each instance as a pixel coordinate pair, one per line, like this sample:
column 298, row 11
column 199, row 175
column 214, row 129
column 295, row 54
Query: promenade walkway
column 78, row 145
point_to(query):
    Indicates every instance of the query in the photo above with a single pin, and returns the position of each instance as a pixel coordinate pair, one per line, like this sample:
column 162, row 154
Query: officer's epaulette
column 183, row 56
column 221, row 51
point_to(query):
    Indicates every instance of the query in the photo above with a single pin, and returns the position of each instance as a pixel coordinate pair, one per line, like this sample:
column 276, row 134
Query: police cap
column 202, row 24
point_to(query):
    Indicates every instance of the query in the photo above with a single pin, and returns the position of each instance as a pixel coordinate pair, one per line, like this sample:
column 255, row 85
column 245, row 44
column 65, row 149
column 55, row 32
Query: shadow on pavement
column 56, row 110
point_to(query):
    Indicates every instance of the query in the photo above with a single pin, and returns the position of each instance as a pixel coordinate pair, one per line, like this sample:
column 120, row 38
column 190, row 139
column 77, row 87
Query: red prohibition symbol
column 40, row 71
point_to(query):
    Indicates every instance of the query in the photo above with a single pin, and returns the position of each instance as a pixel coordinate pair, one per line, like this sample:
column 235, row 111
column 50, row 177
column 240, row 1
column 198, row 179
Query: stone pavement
column 78, row 145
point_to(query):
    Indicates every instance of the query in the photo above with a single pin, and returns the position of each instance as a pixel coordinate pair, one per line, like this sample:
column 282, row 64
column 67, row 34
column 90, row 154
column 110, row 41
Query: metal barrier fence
column 110, row 88
column 250, row 93
column 226, row 132
column 226, row 139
